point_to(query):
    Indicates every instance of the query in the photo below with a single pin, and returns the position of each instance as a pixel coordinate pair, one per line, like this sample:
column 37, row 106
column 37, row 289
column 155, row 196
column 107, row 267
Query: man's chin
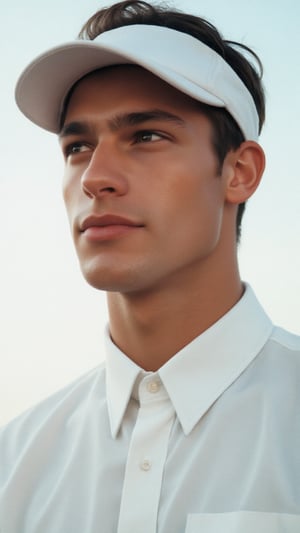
column 111, row 281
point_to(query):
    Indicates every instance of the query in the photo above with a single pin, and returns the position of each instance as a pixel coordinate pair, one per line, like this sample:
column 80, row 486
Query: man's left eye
column 147, row 136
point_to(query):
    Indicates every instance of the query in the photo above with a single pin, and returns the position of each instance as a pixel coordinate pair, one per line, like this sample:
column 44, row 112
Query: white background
column 51, row 320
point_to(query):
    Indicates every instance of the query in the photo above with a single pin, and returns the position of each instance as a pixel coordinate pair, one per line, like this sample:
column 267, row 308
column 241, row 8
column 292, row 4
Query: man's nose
column 105, row 174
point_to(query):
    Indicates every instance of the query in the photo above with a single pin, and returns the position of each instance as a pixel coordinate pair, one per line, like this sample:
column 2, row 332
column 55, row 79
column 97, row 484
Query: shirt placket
column 146, row 459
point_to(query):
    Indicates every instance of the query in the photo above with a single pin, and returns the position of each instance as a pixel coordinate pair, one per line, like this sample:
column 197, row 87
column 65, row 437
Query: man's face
column 141, row 186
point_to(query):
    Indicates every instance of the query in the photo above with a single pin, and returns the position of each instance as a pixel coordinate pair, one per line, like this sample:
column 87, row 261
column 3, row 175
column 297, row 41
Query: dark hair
column 226, row 133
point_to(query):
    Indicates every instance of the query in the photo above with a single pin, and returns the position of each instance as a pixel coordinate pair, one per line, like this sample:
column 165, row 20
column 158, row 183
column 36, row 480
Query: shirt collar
column 197, row 375
column 121, row 375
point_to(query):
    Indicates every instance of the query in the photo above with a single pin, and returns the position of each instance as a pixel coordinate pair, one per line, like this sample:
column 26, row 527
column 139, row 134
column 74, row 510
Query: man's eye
column 75, row 148
column 147, row 136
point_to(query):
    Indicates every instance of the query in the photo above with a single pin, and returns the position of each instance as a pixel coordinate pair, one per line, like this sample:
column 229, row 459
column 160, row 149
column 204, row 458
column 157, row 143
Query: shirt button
column 153, row 386
column 145, row 465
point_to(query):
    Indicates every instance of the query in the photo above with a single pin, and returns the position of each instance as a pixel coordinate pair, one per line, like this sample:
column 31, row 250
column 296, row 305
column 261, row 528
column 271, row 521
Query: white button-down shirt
column 210, row 443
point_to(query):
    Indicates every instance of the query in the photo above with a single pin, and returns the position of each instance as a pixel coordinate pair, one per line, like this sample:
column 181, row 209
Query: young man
column 192, row 424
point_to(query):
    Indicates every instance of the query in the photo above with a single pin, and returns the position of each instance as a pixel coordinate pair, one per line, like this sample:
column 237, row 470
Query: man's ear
column 245, row 168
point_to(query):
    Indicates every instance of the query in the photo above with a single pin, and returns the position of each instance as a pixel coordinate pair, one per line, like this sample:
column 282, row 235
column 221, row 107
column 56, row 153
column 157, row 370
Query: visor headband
column 177, row 58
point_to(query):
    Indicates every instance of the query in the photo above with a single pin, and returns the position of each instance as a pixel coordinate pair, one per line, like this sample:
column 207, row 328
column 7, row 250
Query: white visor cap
column 177, row 58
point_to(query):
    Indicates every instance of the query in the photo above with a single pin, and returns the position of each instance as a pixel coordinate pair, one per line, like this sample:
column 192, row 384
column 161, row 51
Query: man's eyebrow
column 122, row 120
column 73, row 128
column 138, row 117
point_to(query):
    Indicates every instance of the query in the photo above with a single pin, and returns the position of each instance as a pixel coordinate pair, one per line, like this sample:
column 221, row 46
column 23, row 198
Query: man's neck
column 152, row 327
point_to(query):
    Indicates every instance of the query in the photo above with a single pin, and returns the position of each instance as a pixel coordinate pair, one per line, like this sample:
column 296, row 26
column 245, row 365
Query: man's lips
column 107, row 220
column 107, row 227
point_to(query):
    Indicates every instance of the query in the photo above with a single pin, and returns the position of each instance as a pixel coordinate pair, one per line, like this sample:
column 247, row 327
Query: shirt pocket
column 243, row 522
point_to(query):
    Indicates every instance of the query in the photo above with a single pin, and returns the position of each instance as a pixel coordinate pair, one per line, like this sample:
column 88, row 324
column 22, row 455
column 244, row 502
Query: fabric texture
column 210, row 442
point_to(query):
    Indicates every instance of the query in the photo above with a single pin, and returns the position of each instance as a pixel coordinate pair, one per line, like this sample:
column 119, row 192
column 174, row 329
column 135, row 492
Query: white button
column 153, row 386
column 145, row 465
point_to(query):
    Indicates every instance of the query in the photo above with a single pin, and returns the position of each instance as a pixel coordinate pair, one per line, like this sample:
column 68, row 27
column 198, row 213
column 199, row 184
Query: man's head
column 189, row 120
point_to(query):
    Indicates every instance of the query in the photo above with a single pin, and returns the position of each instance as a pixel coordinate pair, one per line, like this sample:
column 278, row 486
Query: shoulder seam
column 285, row 338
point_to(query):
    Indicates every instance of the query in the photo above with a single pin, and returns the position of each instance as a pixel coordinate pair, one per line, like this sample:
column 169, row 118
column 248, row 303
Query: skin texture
column 171, row 270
